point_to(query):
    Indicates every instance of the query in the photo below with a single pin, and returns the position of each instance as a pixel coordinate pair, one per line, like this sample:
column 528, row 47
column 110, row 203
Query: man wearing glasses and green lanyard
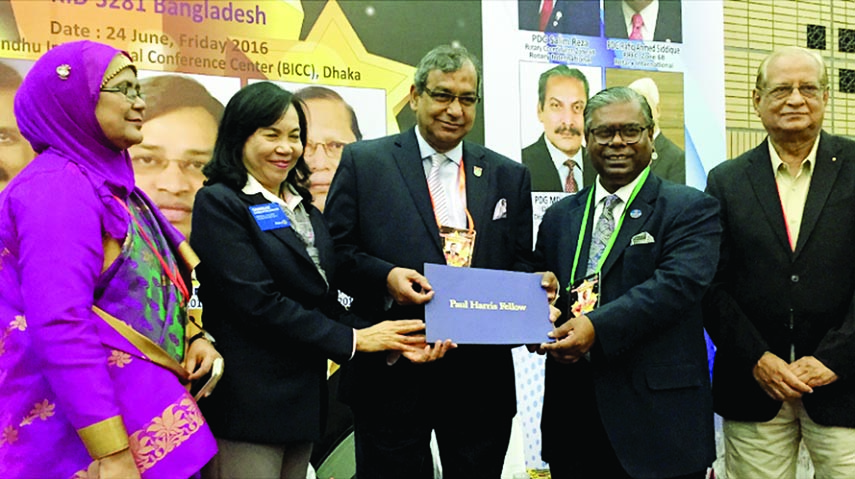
column 627, row 385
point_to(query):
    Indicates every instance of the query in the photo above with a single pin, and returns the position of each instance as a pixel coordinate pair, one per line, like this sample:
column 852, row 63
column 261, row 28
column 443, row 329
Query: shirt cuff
column 353, row 350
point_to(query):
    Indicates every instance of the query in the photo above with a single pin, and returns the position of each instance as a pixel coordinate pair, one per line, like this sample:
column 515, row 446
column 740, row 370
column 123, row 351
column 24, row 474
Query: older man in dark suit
column 781, row 308
column 669, row 160
column 385, row 207
column 627, row 385
column 557, row 160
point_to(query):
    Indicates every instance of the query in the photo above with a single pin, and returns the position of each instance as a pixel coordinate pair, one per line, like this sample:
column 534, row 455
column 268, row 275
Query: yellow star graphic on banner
column 336, row 56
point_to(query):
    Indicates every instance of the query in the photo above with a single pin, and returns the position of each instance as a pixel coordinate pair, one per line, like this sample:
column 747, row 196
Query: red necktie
column 570, row 185
column 545, row 13
column 637, row 23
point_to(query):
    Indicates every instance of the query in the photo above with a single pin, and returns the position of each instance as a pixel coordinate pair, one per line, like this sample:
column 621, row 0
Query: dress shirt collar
column 254, row 187
column 455, row 154
column 559, row 157
column 807, row 163
column 649, row 14
column 624, row 192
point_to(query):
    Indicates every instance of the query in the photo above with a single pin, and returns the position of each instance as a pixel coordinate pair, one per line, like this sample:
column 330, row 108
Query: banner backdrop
column 366, row 51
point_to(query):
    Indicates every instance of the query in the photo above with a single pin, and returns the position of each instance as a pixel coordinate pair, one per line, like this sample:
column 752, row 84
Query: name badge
column 269, row 216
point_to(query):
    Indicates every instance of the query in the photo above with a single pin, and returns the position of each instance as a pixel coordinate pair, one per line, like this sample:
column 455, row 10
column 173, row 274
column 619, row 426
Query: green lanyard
column 613, row 237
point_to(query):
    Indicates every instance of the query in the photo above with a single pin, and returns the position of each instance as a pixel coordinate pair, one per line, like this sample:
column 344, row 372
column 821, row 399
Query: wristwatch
column 203, row 334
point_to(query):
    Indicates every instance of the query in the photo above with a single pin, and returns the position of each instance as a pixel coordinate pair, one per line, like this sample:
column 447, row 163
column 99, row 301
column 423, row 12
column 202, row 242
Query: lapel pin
column 635, row 214
column 833, row 158
column 477, row 170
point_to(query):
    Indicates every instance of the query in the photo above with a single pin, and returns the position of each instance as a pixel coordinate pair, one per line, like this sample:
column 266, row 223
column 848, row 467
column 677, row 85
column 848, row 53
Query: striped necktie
column 437, row 192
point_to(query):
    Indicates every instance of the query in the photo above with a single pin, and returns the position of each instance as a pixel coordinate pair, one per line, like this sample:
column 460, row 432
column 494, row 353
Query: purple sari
column 63, row 369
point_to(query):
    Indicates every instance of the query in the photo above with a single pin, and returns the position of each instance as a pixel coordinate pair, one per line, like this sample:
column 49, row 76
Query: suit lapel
column 546, row 167
column 589, row 174
column 322, row 237
column 762, row 180
column 409, row 161
column 826, row 168
column 285, row 235
column 635, row 216
column 570, row 237
column 478, row 179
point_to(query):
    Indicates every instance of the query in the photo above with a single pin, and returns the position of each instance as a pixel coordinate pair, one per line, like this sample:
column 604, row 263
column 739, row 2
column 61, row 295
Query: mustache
column 568, row 129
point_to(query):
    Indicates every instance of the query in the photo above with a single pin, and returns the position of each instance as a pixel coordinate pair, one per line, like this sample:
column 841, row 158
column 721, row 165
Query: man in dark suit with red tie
column 627, row 386
column 578, row 17
column 385, row 205
column 659, row 21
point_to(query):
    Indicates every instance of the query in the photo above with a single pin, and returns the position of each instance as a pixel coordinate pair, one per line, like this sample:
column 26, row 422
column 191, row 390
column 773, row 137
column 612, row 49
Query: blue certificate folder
column 485, row 306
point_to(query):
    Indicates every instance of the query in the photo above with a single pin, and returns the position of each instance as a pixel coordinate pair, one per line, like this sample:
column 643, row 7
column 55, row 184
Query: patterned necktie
column 602, row 232
column 570, row 185
column 437, row 192
column 545, row 13
column 637, row 23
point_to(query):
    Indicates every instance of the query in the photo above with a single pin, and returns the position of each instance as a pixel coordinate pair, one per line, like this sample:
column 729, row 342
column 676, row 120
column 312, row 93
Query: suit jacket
column 380, row 216
column 579, row 17
column 670, row 162
column 669, row 22
column 544, row 176
column 269, row 309
column 647, row 375
column 767, row 296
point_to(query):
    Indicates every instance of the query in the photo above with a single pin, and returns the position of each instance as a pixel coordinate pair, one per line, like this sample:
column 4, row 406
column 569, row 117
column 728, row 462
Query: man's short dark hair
column 558, row 71
column 167, row 93
column 618, row 94
column 10, row 79
column 447, row 59
column 324, row 93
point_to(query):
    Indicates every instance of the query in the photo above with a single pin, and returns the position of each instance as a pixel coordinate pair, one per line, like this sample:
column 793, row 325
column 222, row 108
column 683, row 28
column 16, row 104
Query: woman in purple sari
column 94, row 345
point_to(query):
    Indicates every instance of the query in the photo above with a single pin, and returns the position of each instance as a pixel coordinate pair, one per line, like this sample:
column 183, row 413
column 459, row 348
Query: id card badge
column 457, row 245
column 269, row 216
column 584, row 295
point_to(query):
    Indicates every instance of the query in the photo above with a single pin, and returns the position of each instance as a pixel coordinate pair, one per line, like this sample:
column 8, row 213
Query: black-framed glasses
column 445, row 98
column 807, row 90
column 331, row 148
column 630, row 134
column 131, row 91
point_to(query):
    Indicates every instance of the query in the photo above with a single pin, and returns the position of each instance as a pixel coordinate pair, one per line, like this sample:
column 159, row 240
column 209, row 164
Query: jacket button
column 794, row 278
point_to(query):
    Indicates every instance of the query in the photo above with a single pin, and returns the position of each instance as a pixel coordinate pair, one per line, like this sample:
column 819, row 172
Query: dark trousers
column 597, row 462
column 469, row 448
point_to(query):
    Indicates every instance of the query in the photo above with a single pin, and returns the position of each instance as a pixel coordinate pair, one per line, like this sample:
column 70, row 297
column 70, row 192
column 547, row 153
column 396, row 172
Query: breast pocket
column 639, row 261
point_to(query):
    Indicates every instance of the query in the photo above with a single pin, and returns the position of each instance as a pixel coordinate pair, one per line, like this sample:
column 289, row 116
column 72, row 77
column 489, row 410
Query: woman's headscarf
column 55, row 109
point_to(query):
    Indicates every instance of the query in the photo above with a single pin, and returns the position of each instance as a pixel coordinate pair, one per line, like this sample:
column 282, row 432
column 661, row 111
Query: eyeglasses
column 131, row 91
column 629, row 133
column 445, row 98
column 154, row 165
column 331, row 148
column 808, row 90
